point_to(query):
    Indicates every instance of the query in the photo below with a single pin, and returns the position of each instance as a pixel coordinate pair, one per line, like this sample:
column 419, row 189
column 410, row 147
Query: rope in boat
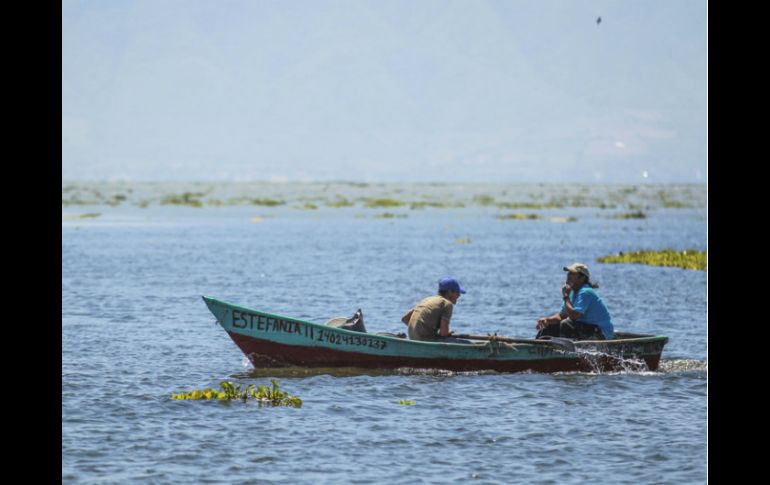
column 494, row 344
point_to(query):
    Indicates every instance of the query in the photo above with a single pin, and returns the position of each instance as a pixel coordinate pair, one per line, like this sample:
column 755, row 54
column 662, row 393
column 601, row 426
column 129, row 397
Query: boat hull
column 270, row 340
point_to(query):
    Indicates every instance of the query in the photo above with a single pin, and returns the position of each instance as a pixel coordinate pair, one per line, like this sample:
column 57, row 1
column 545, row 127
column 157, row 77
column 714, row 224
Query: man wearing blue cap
column 429, row 319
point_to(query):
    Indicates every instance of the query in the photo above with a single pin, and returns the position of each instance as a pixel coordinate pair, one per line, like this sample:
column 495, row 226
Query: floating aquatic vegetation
column 668, row 202
column 267, row 202
column 187, row 198
column 524, row 205
column 518, row 216
column 460, row 240
column 339, row 202
column 87, row 215
column 512, row 197
column 577, row 201
column 484, row 199
column 688, row 259
column 309, row 206
column 628, row 190
column 438, row 205
column 631, row 215
column 390, row 215
column 383, row 202
column 406, row 402
column 673, row 204
column 262, row 394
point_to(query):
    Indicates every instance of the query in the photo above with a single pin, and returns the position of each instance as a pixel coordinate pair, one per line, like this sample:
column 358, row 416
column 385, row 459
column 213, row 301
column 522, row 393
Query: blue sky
column 411, row 91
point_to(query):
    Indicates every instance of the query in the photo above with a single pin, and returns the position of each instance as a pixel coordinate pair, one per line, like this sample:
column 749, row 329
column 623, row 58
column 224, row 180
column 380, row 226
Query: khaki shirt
column 427, row 315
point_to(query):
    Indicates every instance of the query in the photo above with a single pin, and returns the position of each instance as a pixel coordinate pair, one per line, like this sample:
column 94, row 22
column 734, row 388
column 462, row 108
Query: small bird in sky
column 598, row 20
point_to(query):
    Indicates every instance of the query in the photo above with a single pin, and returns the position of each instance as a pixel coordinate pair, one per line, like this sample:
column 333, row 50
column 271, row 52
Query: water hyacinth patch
column 339, row 202
column 688, row 259
column 484, row 199
column 631, row 215
column 526, row 205
column 266, row 202
column 264, row 395
column 406, row 402
column 518, row 217
column 386, row 195
column 190, row 199
column 422, row 204
column 382, row 202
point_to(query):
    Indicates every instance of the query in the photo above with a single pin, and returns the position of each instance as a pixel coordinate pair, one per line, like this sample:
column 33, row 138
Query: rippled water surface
column 135, row 330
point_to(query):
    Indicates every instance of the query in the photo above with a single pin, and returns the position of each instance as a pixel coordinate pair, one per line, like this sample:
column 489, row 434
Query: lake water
column 134, row 330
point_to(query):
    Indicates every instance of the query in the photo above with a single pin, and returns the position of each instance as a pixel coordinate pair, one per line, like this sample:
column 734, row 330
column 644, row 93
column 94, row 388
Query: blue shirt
column 590, row 304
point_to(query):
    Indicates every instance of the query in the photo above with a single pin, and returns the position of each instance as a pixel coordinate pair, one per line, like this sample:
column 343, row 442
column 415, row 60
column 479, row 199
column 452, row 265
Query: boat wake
column 665, row 367
column 683, row 365
column 623, row 366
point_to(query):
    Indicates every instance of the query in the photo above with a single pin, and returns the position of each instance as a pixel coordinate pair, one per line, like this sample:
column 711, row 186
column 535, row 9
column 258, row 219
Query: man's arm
column 552, row 320
column 569, row 309
column 444, row 328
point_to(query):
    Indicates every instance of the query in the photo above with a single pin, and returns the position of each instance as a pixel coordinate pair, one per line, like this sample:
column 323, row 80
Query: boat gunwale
column 642, row 339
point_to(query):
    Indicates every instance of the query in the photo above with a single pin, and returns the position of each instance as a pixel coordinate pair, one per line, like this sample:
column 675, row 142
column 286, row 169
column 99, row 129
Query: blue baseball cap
column 448, row 283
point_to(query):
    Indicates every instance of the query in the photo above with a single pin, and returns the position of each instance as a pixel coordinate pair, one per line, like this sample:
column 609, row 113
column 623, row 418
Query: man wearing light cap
column 583, row 314
column 429, row 319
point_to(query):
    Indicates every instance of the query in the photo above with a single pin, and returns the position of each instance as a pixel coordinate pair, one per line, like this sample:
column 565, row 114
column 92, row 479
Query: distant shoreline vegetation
column 634, row 200
column 687, row 259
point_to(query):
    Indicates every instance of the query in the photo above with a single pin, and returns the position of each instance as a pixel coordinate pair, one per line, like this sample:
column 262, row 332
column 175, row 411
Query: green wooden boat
column 270, row 340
